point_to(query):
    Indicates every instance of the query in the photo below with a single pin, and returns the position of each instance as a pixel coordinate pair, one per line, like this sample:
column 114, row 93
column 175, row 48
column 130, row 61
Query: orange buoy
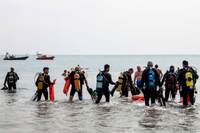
column 140, row 100
column 138, row 97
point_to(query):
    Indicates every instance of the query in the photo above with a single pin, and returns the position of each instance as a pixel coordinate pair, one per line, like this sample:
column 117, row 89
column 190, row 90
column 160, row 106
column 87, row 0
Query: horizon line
column 101, row 54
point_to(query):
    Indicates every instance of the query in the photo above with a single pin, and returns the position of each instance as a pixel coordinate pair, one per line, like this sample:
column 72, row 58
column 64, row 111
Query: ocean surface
column 123, row 115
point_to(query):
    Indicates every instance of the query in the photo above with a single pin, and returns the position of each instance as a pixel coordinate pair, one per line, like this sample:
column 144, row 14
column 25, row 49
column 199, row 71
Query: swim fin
column 160, row 97
column 89, row 90
column 4, row 88
column 113, row 90
column 92, row 93
column 135, row 90
column 34, row 96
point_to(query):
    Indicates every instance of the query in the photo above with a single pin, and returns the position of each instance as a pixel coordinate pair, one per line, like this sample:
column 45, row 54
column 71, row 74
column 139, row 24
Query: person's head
column 156, row 66
column 131, row 70
column 178, row 68
column 83, row 72
column 107, row 67
column 77, row 68
column 149, row 64
column 46, row 70
column 139, row 68
column 12, row 69
column 65, row 71
column 171, row 68
column 185, row 63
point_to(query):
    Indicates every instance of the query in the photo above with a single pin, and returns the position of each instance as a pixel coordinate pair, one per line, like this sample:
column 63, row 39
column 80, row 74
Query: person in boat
column 77, row 81
column 159, row 72
column 6, row 56
column 138, row 77
column 11, row 79
column 43, row 81
column 151, row 79
column 170, row 80
column 187, row 78
column 104, row 89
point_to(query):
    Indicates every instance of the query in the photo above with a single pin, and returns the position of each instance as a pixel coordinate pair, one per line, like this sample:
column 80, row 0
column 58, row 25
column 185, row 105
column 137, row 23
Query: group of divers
column 148, row 81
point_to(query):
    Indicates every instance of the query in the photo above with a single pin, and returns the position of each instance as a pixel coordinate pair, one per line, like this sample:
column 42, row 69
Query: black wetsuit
column 126, row 83
column 73, row 90
column 182, row 81
column 168, row 86
column 105, row 90
column 11, row 79
column 146, row 91
column 44, row 90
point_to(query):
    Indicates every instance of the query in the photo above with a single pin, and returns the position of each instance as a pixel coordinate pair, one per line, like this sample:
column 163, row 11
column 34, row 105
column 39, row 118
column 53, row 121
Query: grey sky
column 100, row 26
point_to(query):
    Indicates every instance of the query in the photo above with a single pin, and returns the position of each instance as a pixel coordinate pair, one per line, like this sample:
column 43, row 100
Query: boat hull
column 16, row 58
column 45, row 58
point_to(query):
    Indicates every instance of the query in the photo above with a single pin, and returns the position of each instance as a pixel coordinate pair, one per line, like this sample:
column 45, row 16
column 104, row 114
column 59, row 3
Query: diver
column 103, row 80
column 151, row 79
column 187, row 78
column 170, row 79
column 43, row 81
column 77, row 81
column 127, row 82
column 11, row 79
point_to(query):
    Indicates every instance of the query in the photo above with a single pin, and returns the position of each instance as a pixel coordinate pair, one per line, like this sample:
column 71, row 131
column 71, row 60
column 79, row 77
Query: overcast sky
column 100, row 26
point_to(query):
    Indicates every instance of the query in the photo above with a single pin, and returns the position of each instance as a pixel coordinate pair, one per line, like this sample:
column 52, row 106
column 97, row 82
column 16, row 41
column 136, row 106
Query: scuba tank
column 120, row 82
column 12, row 78
column 100, row 82
column 151, row 79
column 77, row 82
column 189, row 80
column 171, row 84
column 40, row 81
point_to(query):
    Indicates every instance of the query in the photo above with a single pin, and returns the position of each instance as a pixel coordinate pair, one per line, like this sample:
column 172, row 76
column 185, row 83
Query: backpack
column 189, row 80
column 100, row 82
column 151, row 80
column 170, row 82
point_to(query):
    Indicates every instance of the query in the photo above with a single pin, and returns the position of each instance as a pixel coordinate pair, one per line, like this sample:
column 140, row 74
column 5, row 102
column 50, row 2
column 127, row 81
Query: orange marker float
column 66, row 87
column 51, row 91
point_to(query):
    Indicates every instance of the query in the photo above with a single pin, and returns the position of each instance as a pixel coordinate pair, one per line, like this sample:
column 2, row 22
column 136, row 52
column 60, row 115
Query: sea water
column 19, row 114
